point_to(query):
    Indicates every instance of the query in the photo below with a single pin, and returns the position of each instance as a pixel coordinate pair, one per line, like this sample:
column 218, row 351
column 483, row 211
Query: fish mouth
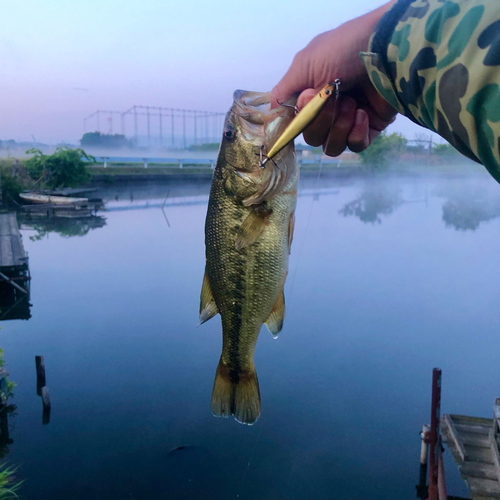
column 255, row 116
column 255, row 107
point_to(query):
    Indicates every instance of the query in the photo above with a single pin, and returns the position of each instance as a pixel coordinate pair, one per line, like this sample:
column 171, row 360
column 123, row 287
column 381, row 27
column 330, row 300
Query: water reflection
column 352, row 341
column 375, row 200
column 14, row 303
column 67, row 228
column 465, row 210
column 7, row 409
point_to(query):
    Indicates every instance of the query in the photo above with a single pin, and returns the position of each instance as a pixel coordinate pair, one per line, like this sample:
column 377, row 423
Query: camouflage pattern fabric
column 442, row 70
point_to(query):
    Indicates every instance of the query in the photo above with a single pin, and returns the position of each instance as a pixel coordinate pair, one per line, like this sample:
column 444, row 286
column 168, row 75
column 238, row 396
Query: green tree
column 65, row 168
column 383, row 149
column 444, row 149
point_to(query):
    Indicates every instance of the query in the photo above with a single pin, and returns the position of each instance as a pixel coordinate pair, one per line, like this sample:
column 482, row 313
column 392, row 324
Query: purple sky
column 61, row 60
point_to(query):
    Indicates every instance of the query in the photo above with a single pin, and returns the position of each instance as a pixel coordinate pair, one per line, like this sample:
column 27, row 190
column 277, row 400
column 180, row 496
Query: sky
column 62, row 60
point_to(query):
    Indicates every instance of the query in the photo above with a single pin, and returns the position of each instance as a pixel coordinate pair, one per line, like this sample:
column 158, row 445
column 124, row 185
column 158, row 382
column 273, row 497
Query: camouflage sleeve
column 438, row 63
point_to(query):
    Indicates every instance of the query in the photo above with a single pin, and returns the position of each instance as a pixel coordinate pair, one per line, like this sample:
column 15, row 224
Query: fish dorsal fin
column 291, row 227
column 275, row 321
column 208, row 307
column 253, row 225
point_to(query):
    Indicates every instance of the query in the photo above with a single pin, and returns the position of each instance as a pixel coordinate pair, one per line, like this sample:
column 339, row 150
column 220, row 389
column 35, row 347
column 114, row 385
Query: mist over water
column 390, row 275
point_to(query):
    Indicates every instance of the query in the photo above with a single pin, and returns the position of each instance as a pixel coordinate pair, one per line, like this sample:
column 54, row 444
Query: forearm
column 439, row 64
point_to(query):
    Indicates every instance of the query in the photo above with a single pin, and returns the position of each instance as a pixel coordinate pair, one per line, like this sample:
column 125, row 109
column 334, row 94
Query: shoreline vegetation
column 34, row 169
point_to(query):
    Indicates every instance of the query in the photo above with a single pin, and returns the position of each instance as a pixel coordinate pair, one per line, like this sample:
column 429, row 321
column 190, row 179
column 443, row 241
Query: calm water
column 389, row 277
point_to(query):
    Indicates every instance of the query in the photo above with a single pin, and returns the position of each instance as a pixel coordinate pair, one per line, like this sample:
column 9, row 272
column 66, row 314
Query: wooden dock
column 474, row 445
column 12, row 254
column 14, row 271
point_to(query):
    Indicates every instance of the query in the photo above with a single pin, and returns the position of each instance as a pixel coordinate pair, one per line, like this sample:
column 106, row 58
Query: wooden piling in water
column 41, row 389
column 45, row 397
column 434, row 441
column 40, row 374
column 421, row 487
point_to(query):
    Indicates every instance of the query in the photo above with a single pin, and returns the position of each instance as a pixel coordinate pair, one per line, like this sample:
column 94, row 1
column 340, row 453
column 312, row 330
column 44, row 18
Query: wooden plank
column 496, row 417
column 454, row 435
column 7, row 258
column 483, row 487
column 4, row 228
column 18, row 252
column 495, row 452
column 13, row 283
column 479, row 454
column 475, row 439
column 479, row 470
column 463, row 419
column 11, row 247
column 479, row 429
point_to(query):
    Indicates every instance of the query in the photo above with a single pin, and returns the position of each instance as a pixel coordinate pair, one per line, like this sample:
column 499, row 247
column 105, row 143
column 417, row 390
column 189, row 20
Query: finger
column 373, row 133
column 316, row 133
column 305, row 97
column 358, row 139
column 295, row 81
column 336, row 140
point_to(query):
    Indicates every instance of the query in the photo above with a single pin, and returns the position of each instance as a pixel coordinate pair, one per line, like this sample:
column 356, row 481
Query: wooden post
column 496, row 418
column 40, row 374
column 45, row 397
column 13, row 283
column 421, row 487
column 46, row 405
column 40, row 371
column 425, row 444
column 434, row 433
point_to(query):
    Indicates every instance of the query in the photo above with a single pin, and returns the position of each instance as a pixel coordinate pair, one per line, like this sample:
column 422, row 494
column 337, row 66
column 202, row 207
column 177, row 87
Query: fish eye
column 229, row 134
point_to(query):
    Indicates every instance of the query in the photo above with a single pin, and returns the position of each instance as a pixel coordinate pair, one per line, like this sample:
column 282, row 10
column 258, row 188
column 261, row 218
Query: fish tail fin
column 237, row 394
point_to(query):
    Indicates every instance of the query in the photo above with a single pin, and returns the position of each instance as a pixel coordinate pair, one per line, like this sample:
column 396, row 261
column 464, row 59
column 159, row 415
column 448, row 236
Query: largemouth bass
column 248, row 234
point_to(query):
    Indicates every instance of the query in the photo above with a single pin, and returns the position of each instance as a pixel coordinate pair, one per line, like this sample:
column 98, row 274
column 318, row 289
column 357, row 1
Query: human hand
column 361, row 113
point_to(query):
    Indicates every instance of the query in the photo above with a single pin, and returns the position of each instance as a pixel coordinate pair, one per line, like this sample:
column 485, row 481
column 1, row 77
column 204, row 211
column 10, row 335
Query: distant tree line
column 98, row 140
column 387, row 148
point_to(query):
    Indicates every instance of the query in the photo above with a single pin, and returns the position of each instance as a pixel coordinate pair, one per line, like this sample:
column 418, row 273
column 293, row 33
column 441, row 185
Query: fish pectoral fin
column 275, row 321
column 208, row 307
column 291, row 227
column 236, row 393
column 253, row 226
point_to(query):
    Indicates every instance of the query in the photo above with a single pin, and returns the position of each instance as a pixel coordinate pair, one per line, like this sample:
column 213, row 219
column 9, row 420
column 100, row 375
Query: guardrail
column 108, row 161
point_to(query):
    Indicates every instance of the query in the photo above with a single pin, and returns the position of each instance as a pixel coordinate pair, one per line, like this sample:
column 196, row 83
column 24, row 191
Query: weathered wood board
column 472, row 446
column 12, row 252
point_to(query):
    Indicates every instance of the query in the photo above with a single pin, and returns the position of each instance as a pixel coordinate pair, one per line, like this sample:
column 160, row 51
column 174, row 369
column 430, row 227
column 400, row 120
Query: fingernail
column 346, row 106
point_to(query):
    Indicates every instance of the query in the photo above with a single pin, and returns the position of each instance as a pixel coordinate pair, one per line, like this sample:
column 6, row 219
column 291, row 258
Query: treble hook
column 294, row 106
column 337, row 83
column 263, row 159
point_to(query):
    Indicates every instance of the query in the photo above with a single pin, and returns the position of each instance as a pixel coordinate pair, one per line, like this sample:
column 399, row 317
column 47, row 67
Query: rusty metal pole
column 434, row 433
column 442, row 492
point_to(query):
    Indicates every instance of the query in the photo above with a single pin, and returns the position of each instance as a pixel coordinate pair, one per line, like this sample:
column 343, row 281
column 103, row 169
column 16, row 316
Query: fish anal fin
column 208, row 307
column 291, row 227
column 237, row 394
column 253, row 226
column 275, row 321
